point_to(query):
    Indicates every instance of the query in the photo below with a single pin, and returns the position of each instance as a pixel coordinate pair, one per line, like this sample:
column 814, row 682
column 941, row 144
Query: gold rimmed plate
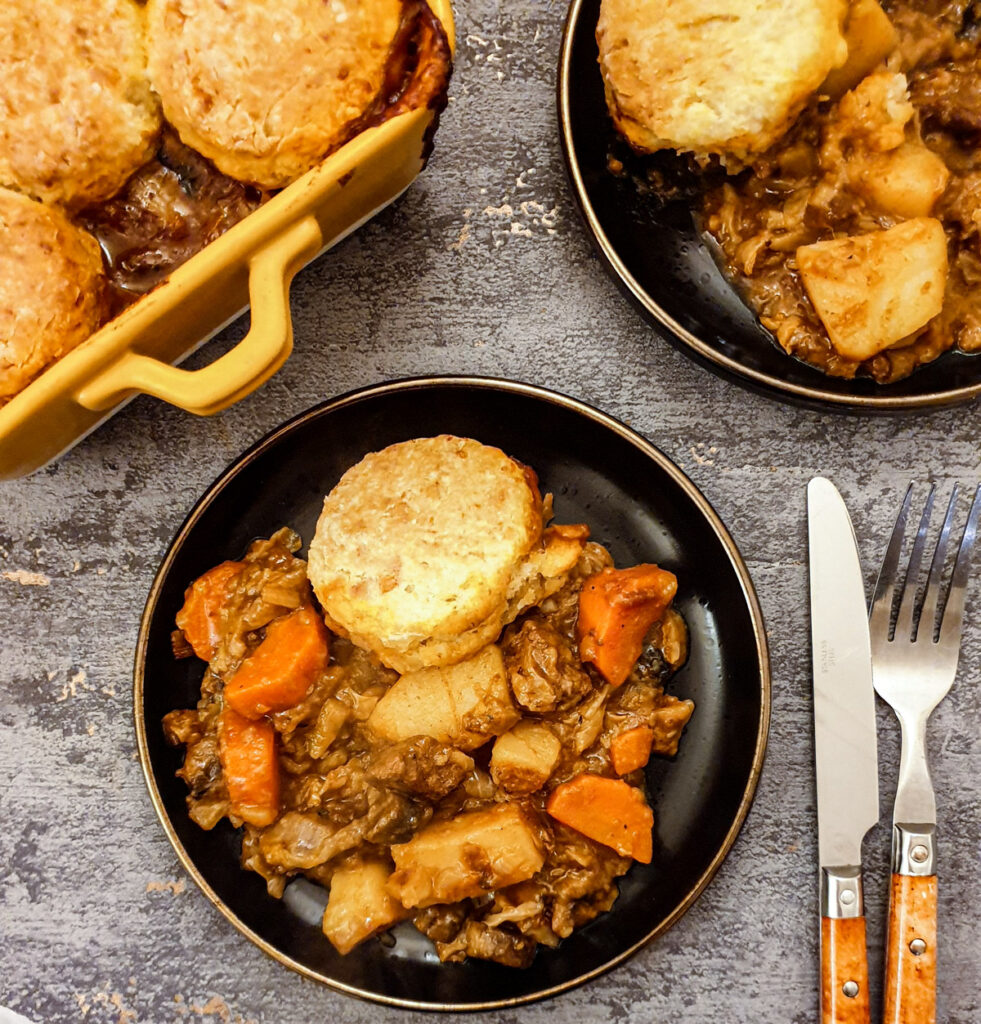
column 659, row 258
column 641, row 506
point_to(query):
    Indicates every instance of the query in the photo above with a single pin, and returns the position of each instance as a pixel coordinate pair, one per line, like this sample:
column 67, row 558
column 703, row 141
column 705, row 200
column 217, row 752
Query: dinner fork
column 913, row 667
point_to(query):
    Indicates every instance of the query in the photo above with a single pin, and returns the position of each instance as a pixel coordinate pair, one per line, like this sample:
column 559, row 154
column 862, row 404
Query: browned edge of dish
column 555, row 398
column 868, row 403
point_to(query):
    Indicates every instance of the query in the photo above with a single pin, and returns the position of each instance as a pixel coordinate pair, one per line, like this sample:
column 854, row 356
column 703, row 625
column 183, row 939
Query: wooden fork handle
column 910, row 987
column 844, row 971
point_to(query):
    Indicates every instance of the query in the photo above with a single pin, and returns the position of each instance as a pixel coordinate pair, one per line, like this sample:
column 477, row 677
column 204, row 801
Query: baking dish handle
column 250, row 363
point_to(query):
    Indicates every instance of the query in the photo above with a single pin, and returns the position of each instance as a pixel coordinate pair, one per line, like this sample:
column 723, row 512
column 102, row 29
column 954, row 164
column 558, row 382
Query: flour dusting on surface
column 25, row 578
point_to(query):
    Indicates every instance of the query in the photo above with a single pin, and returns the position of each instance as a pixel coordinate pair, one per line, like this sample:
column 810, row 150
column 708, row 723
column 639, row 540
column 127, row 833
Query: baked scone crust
column 265, row 90
column 426, row 549
column 77, row 116
column 726, row 77
column 52, row 291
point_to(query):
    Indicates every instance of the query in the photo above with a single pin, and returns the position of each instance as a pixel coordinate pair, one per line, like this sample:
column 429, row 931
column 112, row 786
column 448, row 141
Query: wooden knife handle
column 844, row 971
column 910, row 988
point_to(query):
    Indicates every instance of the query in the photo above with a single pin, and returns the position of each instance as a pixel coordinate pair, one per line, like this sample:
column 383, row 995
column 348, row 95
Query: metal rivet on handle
column 847, row 897
column 917, row 947
column 850, row 988
column 919, row 854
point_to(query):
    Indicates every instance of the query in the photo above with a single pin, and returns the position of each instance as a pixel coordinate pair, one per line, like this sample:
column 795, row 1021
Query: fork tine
column 885, row 585
column 931, row 598
column 904, row 620
column 950, row 627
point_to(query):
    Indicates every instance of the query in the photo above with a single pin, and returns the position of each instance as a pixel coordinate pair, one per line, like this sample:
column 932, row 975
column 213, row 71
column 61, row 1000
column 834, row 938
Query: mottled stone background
column 482, row 267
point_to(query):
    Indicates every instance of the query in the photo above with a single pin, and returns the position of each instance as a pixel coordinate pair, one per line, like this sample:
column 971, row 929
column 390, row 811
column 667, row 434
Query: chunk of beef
column 422, row 766
column 961, row 203
column 544, row 670
column 347, row 796
column 182, row 726
column 949, row 95
column 504, row 945
column 207, row 799
column 442, row 922
column 668, row 722
column 578, row 876
column 340, row 796
column 567, row 915
column 170, row 209
column 202, row 768
column 393, row 818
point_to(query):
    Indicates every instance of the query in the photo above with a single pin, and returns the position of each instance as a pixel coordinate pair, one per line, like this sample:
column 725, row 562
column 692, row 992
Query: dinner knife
column 845, row 749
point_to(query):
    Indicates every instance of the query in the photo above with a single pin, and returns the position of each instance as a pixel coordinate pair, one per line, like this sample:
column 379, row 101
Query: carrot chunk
column 198, row 619
column 279, row 672
column 631, row 749
column 607, row 810
column 616, row 609
column 247, row 751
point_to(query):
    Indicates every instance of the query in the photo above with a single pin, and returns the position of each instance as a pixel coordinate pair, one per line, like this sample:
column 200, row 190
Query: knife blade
column 845, row 749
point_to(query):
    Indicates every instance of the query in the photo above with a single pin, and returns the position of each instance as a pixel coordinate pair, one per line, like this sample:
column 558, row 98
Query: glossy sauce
column 179, row 202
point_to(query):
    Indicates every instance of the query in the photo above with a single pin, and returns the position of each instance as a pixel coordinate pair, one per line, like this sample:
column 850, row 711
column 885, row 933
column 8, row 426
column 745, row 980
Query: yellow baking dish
column 253, row 263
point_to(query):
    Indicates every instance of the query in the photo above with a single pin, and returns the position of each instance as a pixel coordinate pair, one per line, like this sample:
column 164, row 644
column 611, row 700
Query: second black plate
column 658, row 257
column 642, row 508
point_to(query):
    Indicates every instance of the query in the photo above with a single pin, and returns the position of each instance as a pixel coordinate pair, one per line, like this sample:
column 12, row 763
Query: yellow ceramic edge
column 46, row 419
column 247, row 364
column 444, row 11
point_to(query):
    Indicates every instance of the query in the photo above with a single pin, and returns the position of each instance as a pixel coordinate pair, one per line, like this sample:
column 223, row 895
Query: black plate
column 658, row 257
column 638, row 504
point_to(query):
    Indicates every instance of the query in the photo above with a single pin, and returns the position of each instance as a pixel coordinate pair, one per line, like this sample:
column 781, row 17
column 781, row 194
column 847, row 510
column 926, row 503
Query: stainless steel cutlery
column 845, row 749
column 914, row 662
column 909, row 653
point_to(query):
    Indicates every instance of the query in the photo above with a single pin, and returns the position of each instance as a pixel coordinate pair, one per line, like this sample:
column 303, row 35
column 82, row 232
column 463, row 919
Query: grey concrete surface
column 482, row 267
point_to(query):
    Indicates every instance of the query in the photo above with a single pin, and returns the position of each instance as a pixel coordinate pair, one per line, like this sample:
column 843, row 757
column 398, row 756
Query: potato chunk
column 463, row 705
column 874, row 290
column 905, row 182
column 359, row 905
column 524, row 757
column 871, row 37
column 472, row 854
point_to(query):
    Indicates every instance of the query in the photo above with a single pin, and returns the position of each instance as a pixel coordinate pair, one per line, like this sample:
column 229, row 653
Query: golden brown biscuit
column 425, row 550
column 77, row 116
column 52, row 289
column 723, row 77
column 266, row 89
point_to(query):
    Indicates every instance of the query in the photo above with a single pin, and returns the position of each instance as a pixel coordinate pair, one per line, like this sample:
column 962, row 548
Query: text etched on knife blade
column 827, row 659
